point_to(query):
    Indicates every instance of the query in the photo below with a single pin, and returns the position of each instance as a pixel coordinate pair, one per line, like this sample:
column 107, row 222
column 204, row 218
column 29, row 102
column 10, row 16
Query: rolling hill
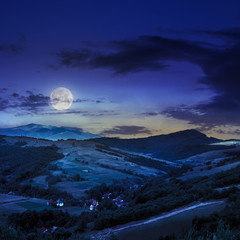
column 47, row 132
column 172, row 146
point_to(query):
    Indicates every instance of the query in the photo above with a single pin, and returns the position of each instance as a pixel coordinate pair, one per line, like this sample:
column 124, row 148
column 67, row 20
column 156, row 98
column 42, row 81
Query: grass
column 177, row 224
column 30, row 205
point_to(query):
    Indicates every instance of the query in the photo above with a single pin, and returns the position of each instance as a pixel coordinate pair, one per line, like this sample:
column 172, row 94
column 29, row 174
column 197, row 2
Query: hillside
column 47, row 132
column 128, row 186
column 172, row 146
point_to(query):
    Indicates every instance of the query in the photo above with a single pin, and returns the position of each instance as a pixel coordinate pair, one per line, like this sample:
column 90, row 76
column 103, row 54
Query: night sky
column 135, row 68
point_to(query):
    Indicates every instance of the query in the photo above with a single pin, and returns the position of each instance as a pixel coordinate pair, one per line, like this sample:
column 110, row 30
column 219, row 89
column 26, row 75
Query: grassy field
column 198, row 172
column 13, row 204
column 177, row 224
column 6, row 198
column 16, row 204
column 82, row 158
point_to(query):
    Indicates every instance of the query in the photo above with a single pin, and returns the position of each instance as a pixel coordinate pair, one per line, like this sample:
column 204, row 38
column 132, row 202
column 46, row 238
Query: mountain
column 47, row 132
column 172, row 146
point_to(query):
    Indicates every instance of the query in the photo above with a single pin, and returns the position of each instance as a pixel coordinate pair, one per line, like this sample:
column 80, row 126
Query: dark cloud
column 125, row 130
column 222, row 75
column 100, row 113
column 36, row 103
column 235, row 132
column 100, row 100
column 226, row 34
column 150, row 114
column 3, row 104
column 53, row 112
column 69, row 112
column 31, row 102
column 2, row 90
column 222, row 110
column 220, row 65
column 13, row 48
column 15, row 95
column 144, row 53
column 231, row 132
column 81, row 100
column 53, row 66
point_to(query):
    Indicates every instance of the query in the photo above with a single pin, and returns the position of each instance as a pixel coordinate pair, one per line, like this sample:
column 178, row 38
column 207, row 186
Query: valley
column 123, row 189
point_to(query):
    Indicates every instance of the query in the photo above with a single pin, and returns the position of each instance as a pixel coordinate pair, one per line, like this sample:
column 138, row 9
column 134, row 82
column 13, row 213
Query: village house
column 59, row 203
column 94, row 205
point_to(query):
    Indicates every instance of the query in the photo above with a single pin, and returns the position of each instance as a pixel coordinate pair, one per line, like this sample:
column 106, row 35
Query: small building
column 59, row 203
column 94, row 204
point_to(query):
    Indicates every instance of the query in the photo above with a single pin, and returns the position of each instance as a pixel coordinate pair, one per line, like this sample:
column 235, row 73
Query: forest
column 150, row 198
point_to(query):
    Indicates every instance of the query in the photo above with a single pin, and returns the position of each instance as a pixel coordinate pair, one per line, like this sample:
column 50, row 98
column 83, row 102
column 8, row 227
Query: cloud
column 126, row 130
column 3, row 104
column 150, row 114
column 222, row 75
column 13, row 48
column 82, row 113
column 143, row 53
column 33, row 102
column 228, row 132
column 220, row 65
column 2, row 90
column 221, row 110
column 99, row 100
column 225, row 34
column 30, row 103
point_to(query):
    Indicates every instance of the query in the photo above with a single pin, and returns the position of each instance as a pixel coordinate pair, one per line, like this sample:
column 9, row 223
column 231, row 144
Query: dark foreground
column 178, row 223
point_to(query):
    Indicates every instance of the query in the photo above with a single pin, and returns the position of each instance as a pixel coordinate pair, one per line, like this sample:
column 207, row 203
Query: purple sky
column 135, row 69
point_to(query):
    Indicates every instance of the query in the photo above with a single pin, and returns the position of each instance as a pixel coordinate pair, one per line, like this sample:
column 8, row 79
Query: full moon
column 61, row 98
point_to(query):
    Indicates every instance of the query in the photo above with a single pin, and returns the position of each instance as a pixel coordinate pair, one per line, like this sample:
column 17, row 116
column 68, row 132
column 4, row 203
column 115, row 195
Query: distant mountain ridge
column 171, row 146
column 47, row 132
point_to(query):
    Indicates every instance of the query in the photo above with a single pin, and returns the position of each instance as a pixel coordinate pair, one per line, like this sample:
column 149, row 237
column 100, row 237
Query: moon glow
column 61, row 98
